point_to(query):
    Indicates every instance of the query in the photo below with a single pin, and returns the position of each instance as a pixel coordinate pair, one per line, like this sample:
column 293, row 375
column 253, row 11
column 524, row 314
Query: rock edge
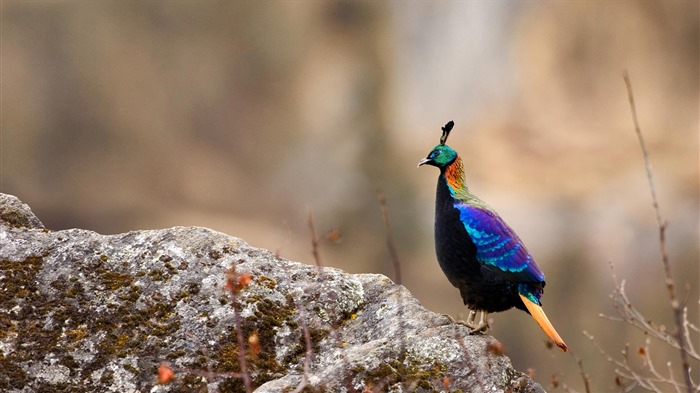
column 81, row 311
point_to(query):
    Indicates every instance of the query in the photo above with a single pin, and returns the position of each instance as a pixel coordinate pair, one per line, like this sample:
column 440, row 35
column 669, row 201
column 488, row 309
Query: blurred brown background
column 241, row 116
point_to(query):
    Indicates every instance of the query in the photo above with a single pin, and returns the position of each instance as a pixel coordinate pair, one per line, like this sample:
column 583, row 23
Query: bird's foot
column 450, row 320
column 474, row 327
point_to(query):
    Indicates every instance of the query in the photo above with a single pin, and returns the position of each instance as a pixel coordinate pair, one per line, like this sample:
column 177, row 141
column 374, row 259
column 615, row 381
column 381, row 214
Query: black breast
column 481, row 289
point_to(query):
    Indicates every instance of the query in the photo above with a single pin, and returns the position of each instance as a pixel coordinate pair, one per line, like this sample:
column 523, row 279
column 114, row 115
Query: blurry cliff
column 240, row 116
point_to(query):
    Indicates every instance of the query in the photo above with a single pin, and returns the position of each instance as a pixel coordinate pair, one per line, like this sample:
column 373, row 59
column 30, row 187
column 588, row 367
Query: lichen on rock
column 81, row 311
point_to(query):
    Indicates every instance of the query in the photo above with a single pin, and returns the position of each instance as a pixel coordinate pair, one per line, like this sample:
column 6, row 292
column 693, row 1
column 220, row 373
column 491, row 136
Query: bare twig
column 624, row 370
column 390, row 238
column 632, row 316
column 309, row 347
column 387, row 380
column 208, row 375
column 675, row 305
column 568, row 388
column 649, row 377
column 241, row 350
column 397, row 268
column 584, row 375
column 333, row 235
column 235, row 282
column 278, row 250
column 314, row 240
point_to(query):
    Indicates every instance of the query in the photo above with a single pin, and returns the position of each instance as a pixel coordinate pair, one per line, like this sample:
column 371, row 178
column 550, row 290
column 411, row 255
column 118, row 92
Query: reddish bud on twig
column 235, row 282
column 165, row 373
column 254, row 343
column 495, row 348
column 554, row 381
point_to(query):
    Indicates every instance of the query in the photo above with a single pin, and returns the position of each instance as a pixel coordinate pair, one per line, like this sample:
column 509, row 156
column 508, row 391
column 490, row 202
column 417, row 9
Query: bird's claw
column 474, row 327
column 450, row 320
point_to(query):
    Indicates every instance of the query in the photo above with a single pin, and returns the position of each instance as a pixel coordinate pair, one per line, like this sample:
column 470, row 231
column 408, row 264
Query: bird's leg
column 483, row 324
column 471, row 318
column 474, row 327
column 468, row 323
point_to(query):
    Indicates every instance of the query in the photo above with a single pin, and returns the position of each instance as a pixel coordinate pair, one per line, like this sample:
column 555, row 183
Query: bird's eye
column 434, row 154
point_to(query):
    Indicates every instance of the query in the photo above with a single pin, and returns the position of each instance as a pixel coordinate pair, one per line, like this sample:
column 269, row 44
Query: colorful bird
column 478, row 252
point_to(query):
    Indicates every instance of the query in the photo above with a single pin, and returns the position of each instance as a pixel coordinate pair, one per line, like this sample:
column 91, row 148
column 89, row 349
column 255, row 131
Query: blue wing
column 497, row 245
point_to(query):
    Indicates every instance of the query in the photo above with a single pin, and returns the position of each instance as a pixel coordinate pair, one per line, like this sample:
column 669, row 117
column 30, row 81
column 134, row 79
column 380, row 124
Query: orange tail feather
column 542, row 320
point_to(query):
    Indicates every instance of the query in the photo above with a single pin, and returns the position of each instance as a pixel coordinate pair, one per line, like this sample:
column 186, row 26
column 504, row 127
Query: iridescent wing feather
column 497, row 245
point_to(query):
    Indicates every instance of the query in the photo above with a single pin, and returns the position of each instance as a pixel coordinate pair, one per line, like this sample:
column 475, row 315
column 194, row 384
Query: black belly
column 481, row 289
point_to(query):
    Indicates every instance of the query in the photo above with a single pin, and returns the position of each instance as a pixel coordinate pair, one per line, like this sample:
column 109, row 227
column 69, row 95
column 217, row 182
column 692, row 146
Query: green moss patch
column 413, row 375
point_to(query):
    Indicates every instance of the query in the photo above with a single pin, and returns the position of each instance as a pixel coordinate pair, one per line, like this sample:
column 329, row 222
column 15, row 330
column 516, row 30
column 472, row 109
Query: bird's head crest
column 446, row 131
column 441, row 155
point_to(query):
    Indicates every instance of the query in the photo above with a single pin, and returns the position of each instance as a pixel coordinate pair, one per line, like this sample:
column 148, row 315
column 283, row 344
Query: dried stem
column 234, row 286
column 286, row 242
column 309, row 347
column 390, row 237
column 333, row 235
column 584, row 375
column 314, row 240
column 208, row 375
column 241, row 350
column 675, row 305
column 631, row 315
column 472, row 369
column 397, row 267
column 651, row 379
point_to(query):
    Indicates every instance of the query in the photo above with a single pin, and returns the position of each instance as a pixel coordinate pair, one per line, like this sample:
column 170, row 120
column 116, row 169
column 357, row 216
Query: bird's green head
column 441, row 155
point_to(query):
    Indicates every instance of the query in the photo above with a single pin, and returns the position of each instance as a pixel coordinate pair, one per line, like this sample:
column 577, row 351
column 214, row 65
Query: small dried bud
column 254, row 343
column 165, row 373
column 235, row 282
column 554, row 381
column 531, row 372
column 495, row 348
column 333, row 235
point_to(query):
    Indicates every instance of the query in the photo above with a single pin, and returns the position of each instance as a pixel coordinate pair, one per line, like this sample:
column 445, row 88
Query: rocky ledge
column 84, row 312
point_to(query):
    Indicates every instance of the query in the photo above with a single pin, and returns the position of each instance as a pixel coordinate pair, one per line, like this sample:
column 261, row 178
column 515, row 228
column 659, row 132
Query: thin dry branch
column 390, row 237
column 316, row 242
column 582, row 372
column 234, row 283
column 629, row 314
column 648, row 377
column 308, row 356
column 396, row 262
column 626, row 371
column 333, row 234
column 241, row 351
column 208, row 375
column 675, row 305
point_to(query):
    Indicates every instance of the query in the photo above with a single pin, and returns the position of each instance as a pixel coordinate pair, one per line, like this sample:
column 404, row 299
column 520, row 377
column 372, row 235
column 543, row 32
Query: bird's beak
column 424, row 161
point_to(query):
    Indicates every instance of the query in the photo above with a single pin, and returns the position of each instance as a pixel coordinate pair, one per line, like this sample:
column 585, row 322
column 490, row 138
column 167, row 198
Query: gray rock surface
column 80, row 311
